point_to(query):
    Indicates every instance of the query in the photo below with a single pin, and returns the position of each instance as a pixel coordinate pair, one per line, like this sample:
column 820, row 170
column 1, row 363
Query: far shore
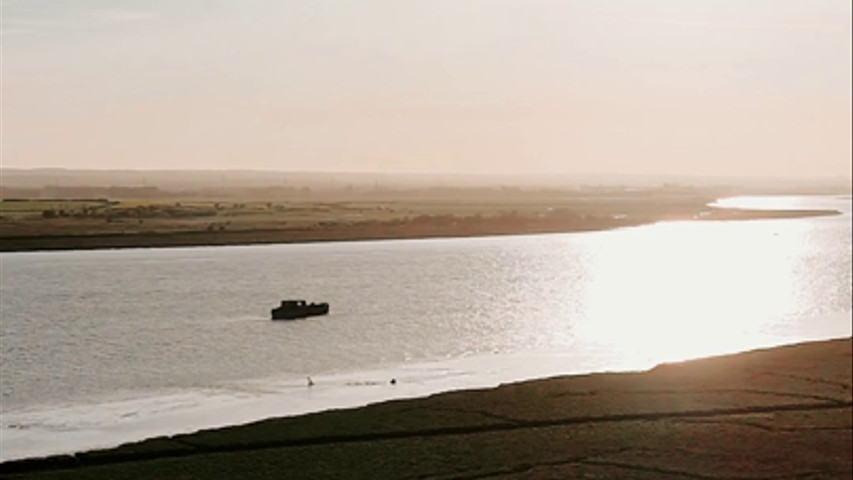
column 63, row 239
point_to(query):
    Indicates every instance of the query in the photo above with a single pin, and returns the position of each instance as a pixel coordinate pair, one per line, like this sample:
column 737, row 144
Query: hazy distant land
column 64, row 209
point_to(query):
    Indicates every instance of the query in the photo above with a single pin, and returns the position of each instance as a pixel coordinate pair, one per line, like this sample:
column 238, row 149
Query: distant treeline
column 95, row 194
column 342, row 192
column 41, row 199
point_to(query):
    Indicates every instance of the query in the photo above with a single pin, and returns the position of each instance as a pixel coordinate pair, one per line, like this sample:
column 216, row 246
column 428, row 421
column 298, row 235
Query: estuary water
column 103, row 347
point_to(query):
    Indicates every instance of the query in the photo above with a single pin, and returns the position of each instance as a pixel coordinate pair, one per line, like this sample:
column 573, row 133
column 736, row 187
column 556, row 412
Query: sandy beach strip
column 783, row 412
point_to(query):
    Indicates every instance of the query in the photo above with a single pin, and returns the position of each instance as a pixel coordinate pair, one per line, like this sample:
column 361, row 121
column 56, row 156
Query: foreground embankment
column 783, row 412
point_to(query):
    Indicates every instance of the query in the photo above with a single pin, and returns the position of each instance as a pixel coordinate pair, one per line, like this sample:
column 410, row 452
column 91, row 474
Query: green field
column 29, row 207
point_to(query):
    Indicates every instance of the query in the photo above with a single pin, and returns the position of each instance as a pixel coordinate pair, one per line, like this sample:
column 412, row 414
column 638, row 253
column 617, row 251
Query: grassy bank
column 783, row 412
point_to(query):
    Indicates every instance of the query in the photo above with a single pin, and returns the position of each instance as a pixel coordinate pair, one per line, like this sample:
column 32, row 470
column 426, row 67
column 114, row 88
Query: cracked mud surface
column 782, row 413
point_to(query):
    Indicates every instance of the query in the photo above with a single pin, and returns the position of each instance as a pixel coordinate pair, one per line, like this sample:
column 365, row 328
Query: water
column 101, row 347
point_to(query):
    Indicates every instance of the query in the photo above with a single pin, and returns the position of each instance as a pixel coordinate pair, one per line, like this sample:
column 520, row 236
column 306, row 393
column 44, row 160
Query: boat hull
column 300, row 311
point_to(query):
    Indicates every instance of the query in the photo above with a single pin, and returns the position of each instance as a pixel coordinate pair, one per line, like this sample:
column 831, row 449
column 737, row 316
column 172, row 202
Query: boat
column 293, row 309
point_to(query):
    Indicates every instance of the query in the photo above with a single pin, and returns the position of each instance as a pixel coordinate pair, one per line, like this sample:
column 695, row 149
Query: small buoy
column 393, row 381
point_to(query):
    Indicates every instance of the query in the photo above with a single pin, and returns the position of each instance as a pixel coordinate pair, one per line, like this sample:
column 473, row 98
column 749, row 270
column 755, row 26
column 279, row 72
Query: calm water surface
column 100, row 347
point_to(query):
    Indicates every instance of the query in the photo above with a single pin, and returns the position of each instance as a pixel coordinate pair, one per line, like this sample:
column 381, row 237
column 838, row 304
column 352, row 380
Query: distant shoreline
column 356, row 232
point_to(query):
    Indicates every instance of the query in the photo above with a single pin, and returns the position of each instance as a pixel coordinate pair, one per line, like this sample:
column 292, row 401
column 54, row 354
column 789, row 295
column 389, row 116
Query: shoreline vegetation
column 147, row 217
column 780, row 412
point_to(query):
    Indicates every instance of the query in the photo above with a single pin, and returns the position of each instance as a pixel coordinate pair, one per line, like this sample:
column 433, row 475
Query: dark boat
column 293, row 309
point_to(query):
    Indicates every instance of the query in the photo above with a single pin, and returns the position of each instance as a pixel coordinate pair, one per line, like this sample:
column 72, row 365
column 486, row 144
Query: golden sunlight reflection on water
column 688, row 290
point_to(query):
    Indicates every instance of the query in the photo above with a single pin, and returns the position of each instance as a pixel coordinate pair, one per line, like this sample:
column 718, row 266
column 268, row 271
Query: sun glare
column 673, row 300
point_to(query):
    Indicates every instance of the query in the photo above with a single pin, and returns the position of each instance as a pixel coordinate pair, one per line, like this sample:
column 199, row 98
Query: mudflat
column 782, row 412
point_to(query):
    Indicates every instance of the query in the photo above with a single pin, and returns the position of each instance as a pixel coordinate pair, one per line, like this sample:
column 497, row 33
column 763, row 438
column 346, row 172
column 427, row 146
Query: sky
column 652, row 87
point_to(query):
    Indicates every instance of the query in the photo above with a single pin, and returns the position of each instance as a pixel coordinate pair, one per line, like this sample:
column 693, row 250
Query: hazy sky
column 721, row 87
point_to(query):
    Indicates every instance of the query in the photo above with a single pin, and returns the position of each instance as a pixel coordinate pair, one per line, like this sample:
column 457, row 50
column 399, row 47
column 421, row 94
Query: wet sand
column 783, row 412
